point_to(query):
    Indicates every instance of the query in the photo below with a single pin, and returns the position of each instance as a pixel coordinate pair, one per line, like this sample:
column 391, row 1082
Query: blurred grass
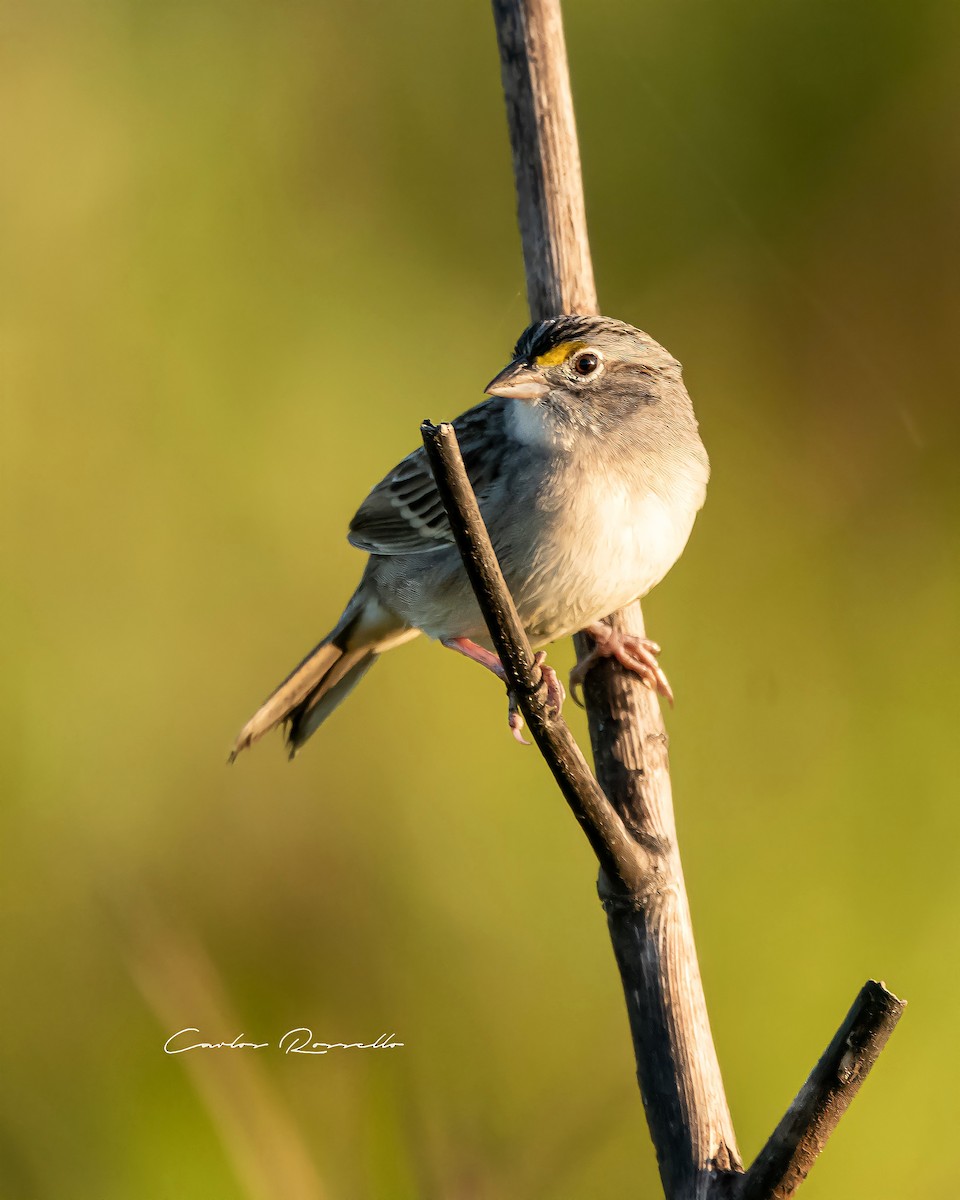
column 245, row 250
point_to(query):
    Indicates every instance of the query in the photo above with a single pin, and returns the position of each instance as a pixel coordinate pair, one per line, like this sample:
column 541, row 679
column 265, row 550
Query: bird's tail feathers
column 337, row 684
column 296, row 689
column 315, row 687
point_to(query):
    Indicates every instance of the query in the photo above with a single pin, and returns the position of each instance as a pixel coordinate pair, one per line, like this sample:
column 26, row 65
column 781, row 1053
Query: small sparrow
column 589, row 471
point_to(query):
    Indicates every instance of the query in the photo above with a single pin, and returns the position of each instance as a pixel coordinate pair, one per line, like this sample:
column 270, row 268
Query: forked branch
column 635, row 899
column 628, row 818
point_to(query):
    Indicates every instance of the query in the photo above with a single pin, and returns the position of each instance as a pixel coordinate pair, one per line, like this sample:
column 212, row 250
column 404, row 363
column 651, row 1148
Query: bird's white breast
column 612, row 545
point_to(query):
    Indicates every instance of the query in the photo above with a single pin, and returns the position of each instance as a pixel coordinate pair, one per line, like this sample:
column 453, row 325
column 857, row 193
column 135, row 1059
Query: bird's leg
column 555, row 693
column 637, row 654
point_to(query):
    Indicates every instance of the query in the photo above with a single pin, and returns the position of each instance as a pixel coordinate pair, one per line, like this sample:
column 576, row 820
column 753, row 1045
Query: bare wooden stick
column 648, row 918
column 636, row 867
column 784, row 1162
column 649, row 925
column 546, row 157
column 641, row 882
column 613, row 845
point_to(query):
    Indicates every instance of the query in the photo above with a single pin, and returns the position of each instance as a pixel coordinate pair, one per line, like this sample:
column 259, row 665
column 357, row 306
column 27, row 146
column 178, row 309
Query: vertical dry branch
column 546, row 158
column 642, row 887
column 650, row 924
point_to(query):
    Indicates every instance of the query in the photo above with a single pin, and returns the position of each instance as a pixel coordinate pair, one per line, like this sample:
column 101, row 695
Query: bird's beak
column 518, row 381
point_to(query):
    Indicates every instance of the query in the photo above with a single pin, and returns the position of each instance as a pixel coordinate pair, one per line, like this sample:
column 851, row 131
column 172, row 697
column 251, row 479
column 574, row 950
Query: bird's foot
column 554, row 698
column 555, row 694
column 637, row 654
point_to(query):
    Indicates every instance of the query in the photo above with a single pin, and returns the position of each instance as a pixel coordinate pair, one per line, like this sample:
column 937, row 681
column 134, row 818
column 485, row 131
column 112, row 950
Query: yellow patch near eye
column 559, row 353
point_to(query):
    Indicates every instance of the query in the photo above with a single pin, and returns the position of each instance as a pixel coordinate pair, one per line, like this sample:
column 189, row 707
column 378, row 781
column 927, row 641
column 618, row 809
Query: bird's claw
column 637, row 654
column 515, row 720
column 553, row 701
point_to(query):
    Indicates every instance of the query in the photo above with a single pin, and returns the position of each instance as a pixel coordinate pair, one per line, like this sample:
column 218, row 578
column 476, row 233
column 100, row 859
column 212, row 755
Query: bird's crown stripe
column 557, row 354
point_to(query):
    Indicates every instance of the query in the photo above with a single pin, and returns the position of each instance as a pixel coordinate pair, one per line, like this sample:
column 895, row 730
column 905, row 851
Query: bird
column 589, row 472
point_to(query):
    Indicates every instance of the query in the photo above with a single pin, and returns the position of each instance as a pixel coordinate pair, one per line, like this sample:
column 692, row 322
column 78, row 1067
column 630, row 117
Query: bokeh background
column 246, row 248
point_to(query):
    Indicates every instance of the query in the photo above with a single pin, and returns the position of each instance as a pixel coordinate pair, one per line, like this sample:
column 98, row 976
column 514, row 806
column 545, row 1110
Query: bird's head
column 593, row 362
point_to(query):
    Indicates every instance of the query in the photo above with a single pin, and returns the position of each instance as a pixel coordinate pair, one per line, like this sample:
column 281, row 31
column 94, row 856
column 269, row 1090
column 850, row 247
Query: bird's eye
column 586, row 364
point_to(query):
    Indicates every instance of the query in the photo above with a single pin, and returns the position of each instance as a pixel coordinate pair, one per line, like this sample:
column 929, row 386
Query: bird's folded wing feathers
column 404, row 513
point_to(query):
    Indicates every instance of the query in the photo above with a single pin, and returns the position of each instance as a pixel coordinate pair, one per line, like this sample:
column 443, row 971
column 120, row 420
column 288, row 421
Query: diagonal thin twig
column 603, row 827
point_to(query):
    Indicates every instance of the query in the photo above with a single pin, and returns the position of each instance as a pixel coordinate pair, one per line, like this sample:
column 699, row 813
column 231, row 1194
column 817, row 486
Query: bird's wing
column 404, row 513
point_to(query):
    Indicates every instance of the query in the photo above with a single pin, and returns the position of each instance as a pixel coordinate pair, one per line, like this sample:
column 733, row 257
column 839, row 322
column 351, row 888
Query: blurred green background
column 246, row 248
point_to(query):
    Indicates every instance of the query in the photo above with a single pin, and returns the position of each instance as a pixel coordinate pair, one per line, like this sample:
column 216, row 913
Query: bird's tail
column 326, row 676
